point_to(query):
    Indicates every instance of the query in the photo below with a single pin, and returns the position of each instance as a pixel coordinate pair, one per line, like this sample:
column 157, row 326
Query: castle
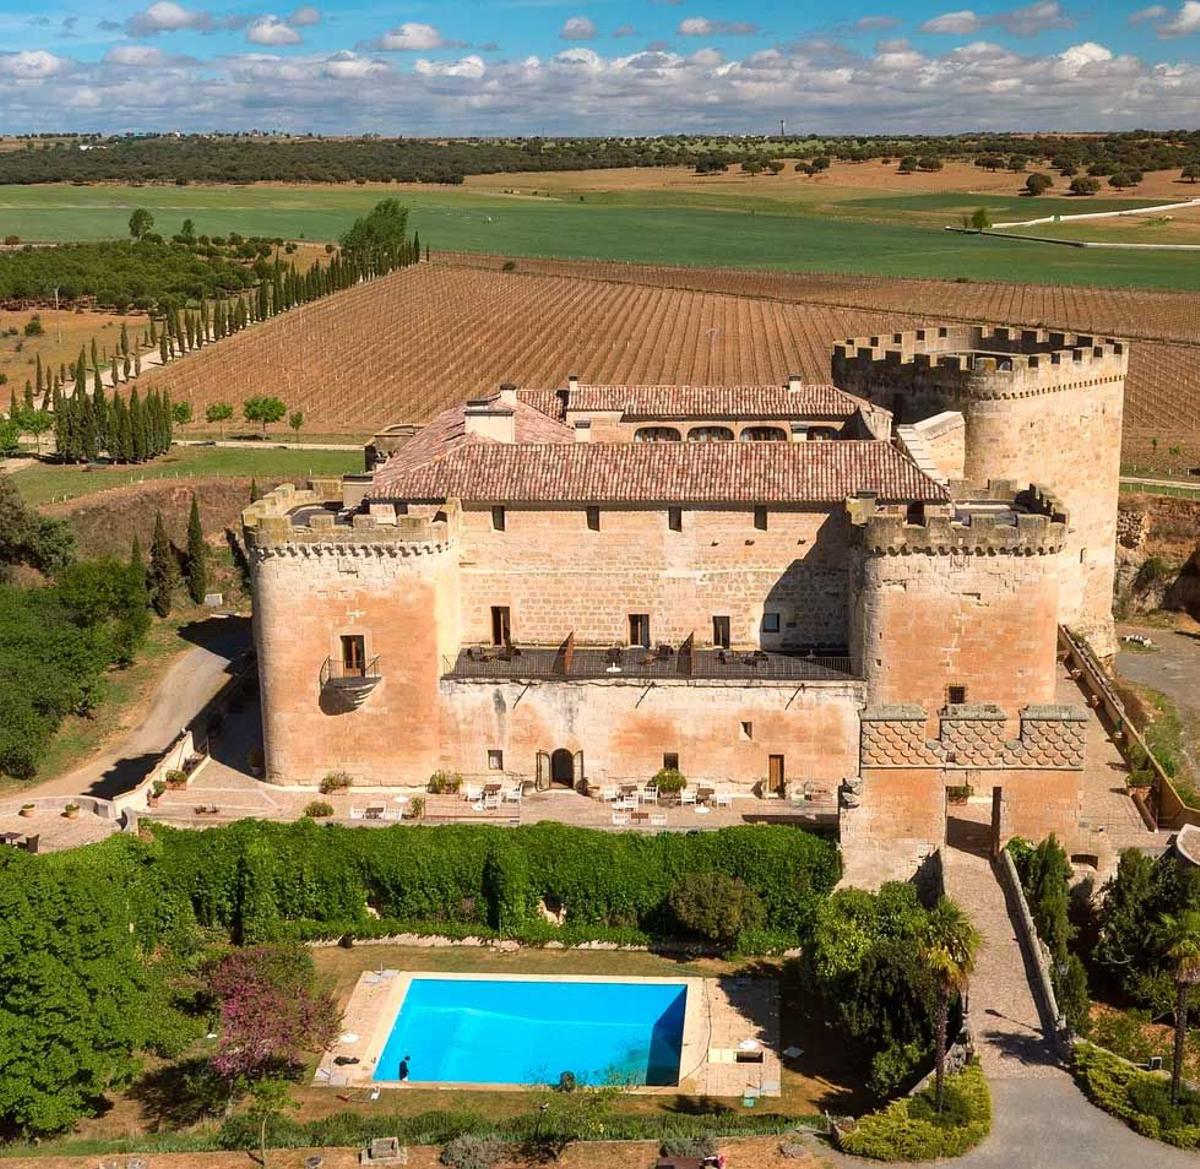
column 855, row 587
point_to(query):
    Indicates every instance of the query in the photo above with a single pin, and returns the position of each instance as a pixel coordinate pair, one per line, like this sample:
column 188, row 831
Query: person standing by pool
column 402, row 1070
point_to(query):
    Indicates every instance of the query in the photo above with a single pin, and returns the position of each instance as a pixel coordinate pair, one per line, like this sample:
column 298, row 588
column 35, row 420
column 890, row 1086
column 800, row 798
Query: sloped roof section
column 731, row 472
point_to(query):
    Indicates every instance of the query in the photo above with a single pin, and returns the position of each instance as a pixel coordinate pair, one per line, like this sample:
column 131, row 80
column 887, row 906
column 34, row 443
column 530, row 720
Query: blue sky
column 609, row 66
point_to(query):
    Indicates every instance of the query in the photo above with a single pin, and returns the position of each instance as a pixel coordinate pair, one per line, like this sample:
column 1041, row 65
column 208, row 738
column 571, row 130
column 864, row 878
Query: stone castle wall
column 558, row 576
column 1039, row 406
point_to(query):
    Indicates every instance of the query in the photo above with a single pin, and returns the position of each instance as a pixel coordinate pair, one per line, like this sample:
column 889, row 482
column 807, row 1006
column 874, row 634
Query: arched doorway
column 562, row 768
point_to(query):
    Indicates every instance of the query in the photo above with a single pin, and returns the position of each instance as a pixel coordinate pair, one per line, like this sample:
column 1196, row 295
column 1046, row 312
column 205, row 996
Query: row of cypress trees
column 128, row 430
column 163, row 575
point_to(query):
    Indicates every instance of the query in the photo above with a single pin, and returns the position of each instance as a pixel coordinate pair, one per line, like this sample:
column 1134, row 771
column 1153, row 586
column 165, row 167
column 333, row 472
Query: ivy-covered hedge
column 910, row 1129
column 1141, row 1099
column 261, row 881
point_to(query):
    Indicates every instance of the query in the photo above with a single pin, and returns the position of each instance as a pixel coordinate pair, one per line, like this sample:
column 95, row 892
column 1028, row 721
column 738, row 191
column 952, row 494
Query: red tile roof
column 670, row 401
column 667, row 472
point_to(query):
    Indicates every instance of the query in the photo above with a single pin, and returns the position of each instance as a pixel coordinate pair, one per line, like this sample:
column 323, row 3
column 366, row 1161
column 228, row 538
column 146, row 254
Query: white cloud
column 1185, row 21
column 577, row 28
column 347, row 66
column 33, row 64
column 701, row 26
column 962, row 23
column 472, row 67
column 270, row 30
column 135, row 55
column 624, row 30
column 305, row 15
column 166, row 16
column 411, row 37
column 1148, row 15
column 1079, row 57
column 874, row 23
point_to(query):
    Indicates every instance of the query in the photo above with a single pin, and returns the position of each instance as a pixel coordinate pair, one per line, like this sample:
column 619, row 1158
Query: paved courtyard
column 55, row 832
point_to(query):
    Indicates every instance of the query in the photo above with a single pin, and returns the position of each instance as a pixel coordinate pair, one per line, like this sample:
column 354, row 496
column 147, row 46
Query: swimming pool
column 530, row 1031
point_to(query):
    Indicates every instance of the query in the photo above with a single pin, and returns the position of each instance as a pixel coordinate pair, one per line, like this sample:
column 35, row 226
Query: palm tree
column 949, row 949
column 1179, row 937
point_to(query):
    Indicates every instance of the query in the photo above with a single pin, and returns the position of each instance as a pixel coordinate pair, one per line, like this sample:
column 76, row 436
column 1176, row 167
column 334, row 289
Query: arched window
column 764, row 434
column 656, row 434
column 710, row 434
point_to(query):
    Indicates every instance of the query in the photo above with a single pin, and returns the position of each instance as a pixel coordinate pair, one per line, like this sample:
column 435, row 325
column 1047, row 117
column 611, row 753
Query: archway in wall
column 973, row 818
column 562, row 768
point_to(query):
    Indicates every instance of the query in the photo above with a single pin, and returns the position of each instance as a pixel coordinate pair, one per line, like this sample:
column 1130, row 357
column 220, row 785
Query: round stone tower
column 1039, row 406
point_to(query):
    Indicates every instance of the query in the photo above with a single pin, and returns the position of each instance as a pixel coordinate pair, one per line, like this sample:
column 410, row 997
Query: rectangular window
column 671, row 760
column 354, row 656
column 770, row 623
column 593, row 519
column 721, row 632
column 747, row 731
column 495, row 761
column 760, row 518
column 675, row 519
column 639, row 629
column 956, row 695
column 501, row 625
column 498, row 519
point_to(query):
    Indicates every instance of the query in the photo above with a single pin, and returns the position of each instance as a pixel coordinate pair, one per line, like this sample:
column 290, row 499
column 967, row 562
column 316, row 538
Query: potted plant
column 71, row 811
column 415, row 809
column 669, row 782
column 444, row 783
column 334, row 781
column 175, row 779
column 155, row 793
column 27, row 810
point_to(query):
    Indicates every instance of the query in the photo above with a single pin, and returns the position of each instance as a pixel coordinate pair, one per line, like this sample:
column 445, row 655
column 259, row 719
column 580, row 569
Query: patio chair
column 648, row 794
column 658, row 819
column 513, row 794
column 356, row 813
column 491, row 801
column 473, row 792
column 620, row 819
column 723, row 798
column 626, row 803
column 608, row 792
column 688, row 796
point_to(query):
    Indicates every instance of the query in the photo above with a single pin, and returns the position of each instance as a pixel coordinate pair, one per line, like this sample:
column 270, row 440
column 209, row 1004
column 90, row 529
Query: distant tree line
column 244, row 159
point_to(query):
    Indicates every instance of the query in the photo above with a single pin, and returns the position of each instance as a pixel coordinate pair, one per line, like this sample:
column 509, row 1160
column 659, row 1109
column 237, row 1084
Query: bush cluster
column 276, row 880
column 910, row 1129
column 1141, row 1099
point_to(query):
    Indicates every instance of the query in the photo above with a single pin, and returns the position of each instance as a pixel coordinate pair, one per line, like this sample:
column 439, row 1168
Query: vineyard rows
column 407, row 345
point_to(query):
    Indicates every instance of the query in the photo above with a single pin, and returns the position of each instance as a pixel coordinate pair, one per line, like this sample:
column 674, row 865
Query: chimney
column 572, row 381
column 490, row 418
column 795, row 382
column 583, row 430
column 508, row 393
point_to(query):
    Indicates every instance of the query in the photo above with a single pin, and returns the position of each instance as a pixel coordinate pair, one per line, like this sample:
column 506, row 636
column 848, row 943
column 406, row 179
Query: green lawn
column 887, row 236
column 48, row 482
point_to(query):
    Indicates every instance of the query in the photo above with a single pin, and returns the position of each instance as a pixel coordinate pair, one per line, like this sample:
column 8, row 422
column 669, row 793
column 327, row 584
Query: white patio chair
column 626, row 803
column 608, row 792
column 658, row 819
column 356, row 813
column 723, row 798
column 473, row 792
column 648, row 794
column 620, row 819
column 513, row 794
column 687, row 797
column 491, row 801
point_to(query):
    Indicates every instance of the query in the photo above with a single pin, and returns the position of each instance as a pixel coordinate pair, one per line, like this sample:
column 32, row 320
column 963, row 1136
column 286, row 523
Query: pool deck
column 722, row 1015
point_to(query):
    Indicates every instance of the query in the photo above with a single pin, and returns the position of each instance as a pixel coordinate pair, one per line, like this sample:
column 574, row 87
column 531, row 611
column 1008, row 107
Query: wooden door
column 775, row 775
column 354, row 656
column 542, row 782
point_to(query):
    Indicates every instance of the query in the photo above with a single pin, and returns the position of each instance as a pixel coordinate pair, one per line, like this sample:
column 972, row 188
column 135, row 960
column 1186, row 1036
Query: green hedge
column 910, row 1129
column 1141, row 1099
column 260, row 881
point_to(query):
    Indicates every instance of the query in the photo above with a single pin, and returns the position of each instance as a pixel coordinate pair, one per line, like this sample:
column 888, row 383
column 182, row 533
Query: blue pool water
column 518, row 1031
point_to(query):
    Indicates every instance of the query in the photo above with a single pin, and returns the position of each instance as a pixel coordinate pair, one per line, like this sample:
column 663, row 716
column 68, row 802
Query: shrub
column 444, row 783
column 716, row 906
column 334, row 781
column 473, row 1152
column 175, row 778
column 416, row 808
column 910, row 1129
column 318, row 809
column 670, row 780
column 1141, row 1099
column 158, row 787
column 701, row 1146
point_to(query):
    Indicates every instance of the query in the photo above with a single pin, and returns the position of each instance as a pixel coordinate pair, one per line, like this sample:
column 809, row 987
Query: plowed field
column 402, row 348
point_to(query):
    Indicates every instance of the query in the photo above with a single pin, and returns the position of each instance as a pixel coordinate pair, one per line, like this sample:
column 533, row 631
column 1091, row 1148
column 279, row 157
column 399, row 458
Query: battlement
column 997, row 520
column 329, row 515
column 978, row 361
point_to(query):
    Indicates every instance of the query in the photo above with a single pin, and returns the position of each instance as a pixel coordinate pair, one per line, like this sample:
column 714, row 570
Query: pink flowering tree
column 271, row 1012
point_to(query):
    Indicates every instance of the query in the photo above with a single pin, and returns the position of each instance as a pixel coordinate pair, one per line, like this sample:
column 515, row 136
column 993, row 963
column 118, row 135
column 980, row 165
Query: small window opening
column 721, row 632
column 747, row 731
column 675, row 519
column 671, row 760
column 593, row 519
column 498, row 519
column 770, row 623
column 501, row 625
column 495, row 760
column 760, row 518
column 956, row 695
column 354, row 655
column 639, row 629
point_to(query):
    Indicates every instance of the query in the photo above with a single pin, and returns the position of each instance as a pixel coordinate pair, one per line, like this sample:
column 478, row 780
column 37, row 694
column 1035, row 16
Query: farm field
column 404, row 347
column 861, row 219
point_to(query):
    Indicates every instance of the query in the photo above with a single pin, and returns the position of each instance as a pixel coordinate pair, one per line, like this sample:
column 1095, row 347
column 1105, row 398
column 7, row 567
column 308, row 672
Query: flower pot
column 71, row 813
column 27, row 811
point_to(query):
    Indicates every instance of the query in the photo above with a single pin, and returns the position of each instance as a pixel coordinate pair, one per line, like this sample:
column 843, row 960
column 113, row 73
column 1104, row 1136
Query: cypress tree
column 86, row 445
column 124, row 340
column 253, row 490
column 12, row 404
column 28, row 394
column 100, row 414
column 116, row 431
column 95, row 355
column 58, row 405
column 153, row 332
column 37, row 381
column 168, row 423
column 115, row 371
column 126, row 434
column 137, row 365
column 137, row 427
column 126, row 367
column 197, row 550
column 163, row 577
column 163, row 351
